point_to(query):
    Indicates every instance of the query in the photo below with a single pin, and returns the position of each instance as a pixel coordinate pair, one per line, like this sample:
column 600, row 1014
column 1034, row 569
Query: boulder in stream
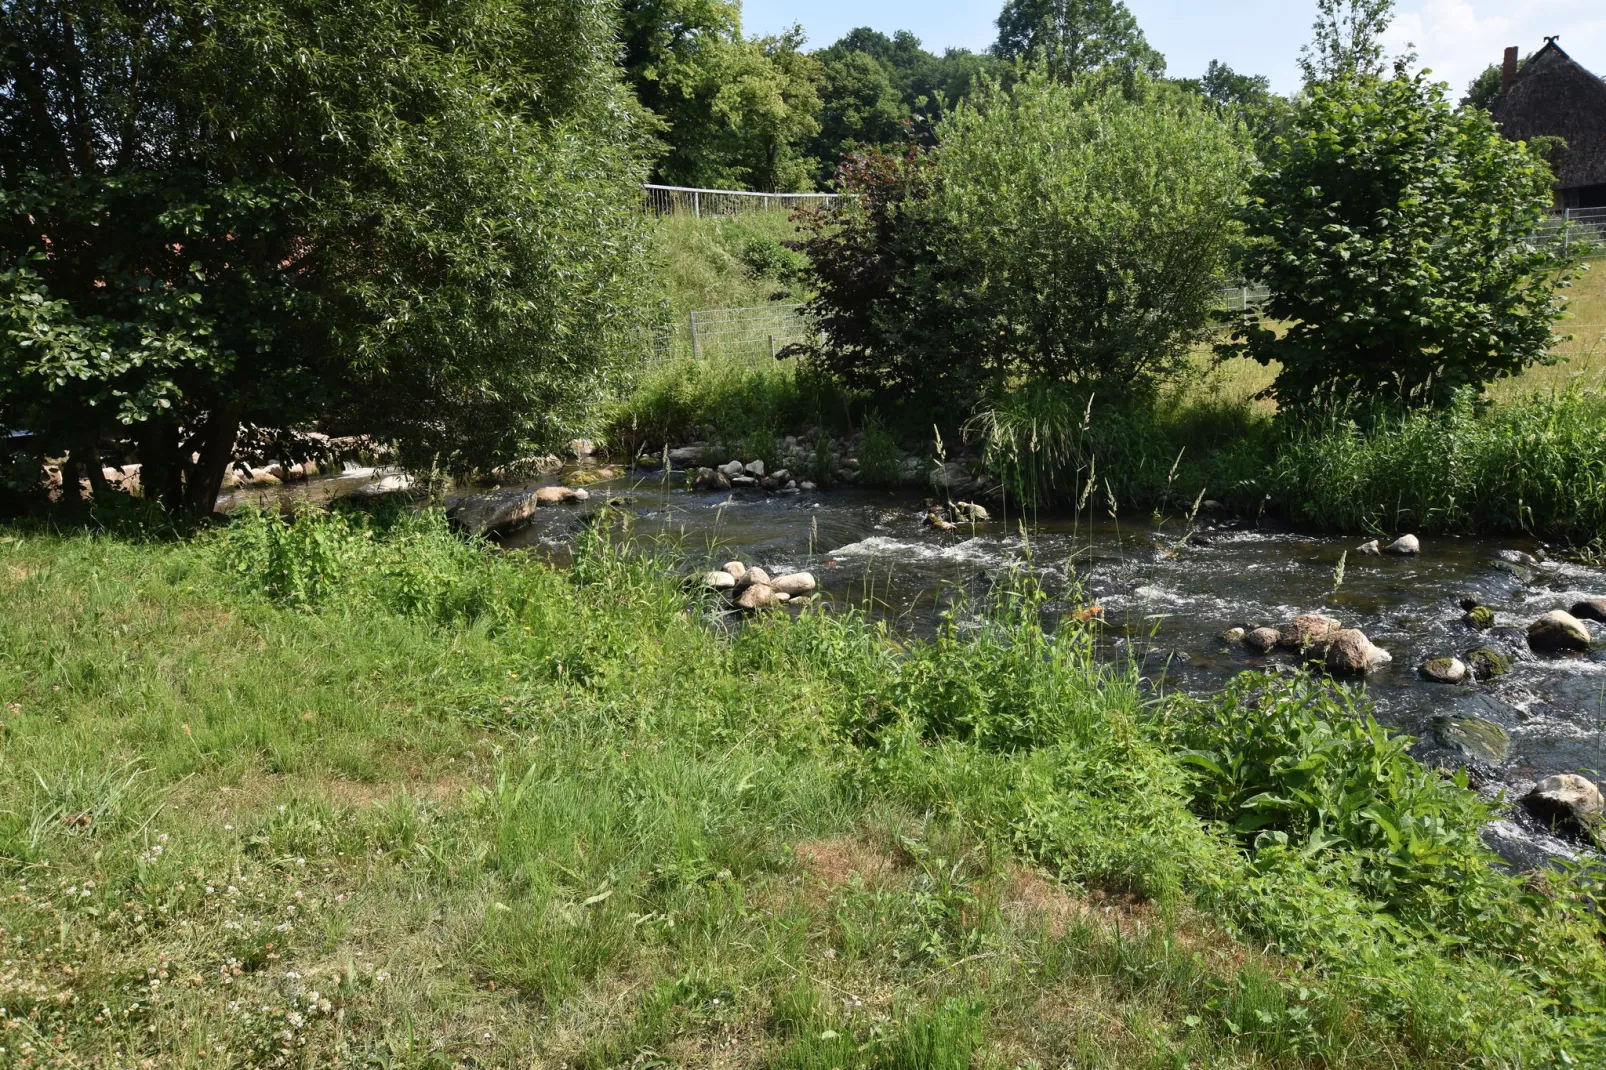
column 718, row 580
column 1485, row 663
column 1444, row 670
column 736, row 569
column 1405, row 546
column 1475, row 737
column 1262, row 640
column 1351, row 653
column 731, row 469
column 1479, row 618
column 685, row 455
column 1590, row 609
column 794, row 583
column 1566, row 800
column 1556, row 631
column 1308, row 631
column 710, row 479
column 1233, row 635
column 559, row 495
column 756, row 576
column 483, row 514
column 1370, row 548
column 758, row 595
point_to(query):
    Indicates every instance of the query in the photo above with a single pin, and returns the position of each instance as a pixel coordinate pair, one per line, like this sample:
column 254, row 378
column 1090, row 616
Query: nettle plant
column 1400, row 239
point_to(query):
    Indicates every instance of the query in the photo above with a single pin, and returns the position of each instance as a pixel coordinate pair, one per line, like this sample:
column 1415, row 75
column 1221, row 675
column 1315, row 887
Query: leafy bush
column 1398, row 237
column 426, row 225
column 1067, row 235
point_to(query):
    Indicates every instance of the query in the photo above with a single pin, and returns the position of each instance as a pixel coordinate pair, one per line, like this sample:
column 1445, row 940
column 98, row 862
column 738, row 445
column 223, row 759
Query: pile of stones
column 1318, row 640
column 947, row 516
column 750, row 475
column 752, row 588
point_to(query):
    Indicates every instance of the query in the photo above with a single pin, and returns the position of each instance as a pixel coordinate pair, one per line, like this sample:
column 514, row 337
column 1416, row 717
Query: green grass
column 354, row 792
column 724, row 262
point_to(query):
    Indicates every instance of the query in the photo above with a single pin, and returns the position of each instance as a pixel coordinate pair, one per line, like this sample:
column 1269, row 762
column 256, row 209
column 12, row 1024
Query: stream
column 1167, row 598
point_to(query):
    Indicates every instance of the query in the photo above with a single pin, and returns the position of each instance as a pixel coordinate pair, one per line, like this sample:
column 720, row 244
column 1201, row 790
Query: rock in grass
column 735, row 568
column 719, row 581
column 794, row 583
column 1479, row 618
column 1556, row 631
column 1566, row 800
column 1309, row 630
column 1351, row 653
column 1444, row 670
column 1405, row 546
column 1474, row 737
column 1233, row 635
column 1590, row 609
column 559, row 495
column 757, row 596
column 1261, row 640
column 1485, row 663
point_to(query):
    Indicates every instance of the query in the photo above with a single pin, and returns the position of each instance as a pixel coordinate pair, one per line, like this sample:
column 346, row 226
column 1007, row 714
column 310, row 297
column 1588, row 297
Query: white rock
column 1371, row 548
column 719, row 581
column 1405, row 546
column 755, row 469
column 736, row 569
column 758, row 576
column 757, row 596
column 731, row 469
column 1558, row 630
column 794, row 583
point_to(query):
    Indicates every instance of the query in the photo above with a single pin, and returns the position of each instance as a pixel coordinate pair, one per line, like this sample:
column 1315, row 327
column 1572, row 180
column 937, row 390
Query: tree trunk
column 72, row 496
column 216, row 450
column 161, row 473
column 98, row 487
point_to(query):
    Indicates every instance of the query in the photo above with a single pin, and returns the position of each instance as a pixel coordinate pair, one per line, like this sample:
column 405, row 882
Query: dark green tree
column 1073, row 36
column 410, row 220
column 1247, row 96
column 1482, row 90
column 860, row 106
column 730, row 111
column 1400, row 239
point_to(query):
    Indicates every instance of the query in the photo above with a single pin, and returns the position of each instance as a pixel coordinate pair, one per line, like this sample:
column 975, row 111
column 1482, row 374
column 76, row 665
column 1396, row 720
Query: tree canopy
column 1073, row 36
column 414, row 221
column 1400, row 239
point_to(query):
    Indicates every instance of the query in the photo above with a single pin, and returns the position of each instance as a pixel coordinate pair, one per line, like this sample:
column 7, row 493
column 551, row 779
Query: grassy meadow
column 355, row 792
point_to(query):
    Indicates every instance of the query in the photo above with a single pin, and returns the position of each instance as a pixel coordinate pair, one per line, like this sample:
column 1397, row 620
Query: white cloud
column 1459, row 38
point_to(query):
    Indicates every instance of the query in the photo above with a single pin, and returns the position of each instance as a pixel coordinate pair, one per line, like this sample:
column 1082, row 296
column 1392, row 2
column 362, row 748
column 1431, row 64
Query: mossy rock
column 583, row 477
column 1474, row 737
column 649, row 463
column 1480, row 617
column 1486, row 663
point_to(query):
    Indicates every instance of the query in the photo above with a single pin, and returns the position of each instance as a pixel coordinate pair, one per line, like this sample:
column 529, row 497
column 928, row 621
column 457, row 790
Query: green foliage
column 1073, row 37
column 1532, row 465
column 1347, row 40
column 1397, row 236
column 1054, row 445
column 423, row 225
column 1053, row 234
column 733, row 112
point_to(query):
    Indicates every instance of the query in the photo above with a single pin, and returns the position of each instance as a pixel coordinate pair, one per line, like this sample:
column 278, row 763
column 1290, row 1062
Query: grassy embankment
column 1531, row 461
column 354, row 794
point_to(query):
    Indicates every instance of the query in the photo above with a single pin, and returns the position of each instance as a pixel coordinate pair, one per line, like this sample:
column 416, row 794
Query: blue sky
column 1456, row 38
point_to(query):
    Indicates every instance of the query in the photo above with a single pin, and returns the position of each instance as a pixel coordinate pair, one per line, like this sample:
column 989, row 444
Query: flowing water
column 1167, row 594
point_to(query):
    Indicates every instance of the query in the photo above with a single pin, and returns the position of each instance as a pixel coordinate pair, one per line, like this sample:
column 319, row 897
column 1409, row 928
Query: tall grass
column 1536, row 464
column 406, row 802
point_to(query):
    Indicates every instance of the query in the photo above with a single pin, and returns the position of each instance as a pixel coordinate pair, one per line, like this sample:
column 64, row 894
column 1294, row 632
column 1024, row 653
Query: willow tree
column 408, row 218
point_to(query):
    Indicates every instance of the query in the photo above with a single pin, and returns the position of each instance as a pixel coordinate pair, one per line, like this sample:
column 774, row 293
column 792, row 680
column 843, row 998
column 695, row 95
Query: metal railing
column 670, row 200
column 1578, row 228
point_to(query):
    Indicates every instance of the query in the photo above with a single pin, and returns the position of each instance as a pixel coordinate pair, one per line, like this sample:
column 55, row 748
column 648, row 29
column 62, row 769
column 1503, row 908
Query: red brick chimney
column 1508, row 70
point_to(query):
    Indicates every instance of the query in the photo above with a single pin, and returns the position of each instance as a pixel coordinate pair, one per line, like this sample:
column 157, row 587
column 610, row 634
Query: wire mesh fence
column 1581, row 230
column 732, row 335
column 689, row 200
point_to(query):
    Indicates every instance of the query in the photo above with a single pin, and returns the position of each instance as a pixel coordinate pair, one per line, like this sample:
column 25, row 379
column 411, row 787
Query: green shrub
column 1053, row 233
column 1398, row 237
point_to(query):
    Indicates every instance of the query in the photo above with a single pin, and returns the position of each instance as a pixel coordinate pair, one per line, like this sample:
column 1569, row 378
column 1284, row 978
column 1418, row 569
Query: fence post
column 696, row 210
column 696, row 347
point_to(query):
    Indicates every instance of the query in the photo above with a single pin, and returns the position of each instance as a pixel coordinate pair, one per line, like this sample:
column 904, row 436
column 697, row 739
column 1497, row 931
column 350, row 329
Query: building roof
column 1553, row 96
